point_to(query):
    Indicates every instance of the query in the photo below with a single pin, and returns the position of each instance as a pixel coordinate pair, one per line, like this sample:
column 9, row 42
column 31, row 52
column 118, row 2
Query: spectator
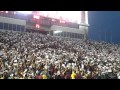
column 36, row 56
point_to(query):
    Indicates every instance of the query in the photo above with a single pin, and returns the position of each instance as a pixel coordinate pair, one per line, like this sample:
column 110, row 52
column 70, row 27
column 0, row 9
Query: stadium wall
column 67, row 29
column 12, row 21
column 78, row 33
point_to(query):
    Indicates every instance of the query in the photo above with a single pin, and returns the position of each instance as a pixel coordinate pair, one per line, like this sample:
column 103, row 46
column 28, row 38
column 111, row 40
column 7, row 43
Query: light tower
column 83, row 26
column 83, row 17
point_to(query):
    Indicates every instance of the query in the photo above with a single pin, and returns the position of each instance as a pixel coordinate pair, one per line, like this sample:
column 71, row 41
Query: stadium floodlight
column 72, row 16
column 25, row 12
column 6, row 11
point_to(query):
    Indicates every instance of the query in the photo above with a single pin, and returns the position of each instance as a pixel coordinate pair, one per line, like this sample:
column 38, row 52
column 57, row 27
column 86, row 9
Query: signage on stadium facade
column 50, row 23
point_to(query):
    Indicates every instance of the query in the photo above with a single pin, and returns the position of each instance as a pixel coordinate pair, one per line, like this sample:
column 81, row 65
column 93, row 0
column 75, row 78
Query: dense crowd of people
column 26, row 55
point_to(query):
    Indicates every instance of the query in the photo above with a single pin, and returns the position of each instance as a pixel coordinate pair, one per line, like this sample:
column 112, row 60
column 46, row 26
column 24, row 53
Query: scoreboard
column 38, row 21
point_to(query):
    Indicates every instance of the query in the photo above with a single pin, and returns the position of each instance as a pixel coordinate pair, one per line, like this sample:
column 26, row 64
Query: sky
column 104, row 25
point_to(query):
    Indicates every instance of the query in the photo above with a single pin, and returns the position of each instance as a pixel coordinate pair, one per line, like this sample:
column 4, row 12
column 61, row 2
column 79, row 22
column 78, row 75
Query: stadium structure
column 45, row 23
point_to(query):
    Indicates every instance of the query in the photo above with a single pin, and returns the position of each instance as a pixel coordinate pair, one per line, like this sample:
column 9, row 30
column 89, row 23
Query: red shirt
column 62, row 76
column 37, row 77
column 67, row 76
column 77, row 76
column 51, row 71
column 40, row 77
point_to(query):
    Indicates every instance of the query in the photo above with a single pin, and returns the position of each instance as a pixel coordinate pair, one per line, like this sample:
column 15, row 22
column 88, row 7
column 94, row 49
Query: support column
column 83, row 19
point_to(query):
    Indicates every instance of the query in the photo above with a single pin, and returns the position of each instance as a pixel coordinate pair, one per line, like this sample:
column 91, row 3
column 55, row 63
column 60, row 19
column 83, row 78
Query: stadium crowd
column 26, row 55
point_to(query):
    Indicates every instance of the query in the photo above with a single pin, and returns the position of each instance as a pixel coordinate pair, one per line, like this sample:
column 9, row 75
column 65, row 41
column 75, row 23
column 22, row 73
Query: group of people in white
column 26, row 55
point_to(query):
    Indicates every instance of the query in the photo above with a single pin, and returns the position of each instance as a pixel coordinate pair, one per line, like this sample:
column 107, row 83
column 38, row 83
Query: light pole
column 105, row 36
column 83, row 17
column 111, row 36
column 99, row 34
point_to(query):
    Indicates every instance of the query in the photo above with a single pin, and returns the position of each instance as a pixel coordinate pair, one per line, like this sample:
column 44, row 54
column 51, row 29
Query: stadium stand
column 26, row 55
column 27, row 52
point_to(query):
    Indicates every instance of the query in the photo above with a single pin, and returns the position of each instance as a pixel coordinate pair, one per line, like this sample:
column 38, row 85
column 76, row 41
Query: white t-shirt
column 46, row 56
column 109, row 70
column 118, row 77
column 88, row 72
column 63, row 65
column 46, row 67
column 58, row 72
column 82, row 66
column 15, row 64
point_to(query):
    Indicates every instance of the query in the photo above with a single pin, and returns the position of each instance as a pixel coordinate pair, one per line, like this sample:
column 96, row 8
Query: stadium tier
column 43, row 23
